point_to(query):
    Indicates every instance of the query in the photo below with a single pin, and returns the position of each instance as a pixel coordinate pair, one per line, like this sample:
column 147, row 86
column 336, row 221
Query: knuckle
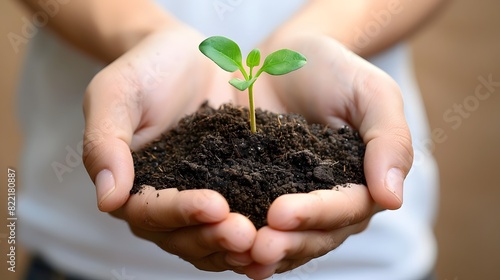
column 170, row 245
column 92, row 142
column 404, row 148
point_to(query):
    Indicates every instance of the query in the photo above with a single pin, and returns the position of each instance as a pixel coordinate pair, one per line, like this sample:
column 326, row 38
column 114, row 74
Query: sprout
column 227, row 54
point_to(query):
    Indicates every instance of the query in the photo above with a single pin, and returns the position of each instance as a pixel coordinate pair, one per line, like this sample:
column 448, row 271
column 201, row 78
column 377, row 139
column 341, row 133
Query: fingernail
column 104, row 184
column 394, row 182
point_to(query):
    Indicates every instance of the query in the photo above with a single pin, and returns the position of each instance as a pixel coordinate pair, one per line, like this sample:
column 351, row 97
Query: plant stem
column 253, row 126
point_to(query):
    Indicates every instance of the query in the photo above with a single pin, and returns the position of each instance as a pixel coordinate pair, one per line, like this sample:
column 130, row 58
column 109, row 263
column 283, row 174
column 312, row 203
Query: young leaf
column 253, row 58
column 223, row 51
column 227, row 55
column 282, row 62
column 241, row 84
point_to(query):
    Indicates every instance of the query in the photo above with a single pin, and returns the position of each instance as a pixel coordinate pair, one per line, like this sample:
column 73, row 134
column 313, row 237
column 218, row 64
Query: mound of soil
column 214, row 149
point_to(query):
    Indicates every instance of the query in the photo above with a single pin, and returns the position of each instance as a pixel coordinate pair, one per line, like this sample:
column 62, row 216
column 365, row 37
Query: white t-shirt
column 58, row 216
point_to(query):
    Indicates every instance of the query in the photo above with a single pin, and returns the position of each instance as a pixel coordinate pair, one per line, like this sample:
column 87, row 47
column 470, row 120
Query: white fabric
column 57, row 212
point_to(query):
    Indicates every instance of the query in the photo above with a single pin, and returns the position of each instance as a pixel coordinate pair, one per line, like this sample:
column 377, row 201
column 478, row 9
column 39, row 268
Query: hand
column 194, row 224
column 335, row 87
column 131, row 102
column 338, row 87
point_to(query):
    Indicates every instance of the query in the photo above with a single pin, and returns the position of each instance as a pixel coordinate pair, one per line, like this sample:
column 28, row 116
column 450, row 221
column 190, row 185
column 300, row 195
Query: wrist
column 129, row 34
column 331, row 18
column 105, row 29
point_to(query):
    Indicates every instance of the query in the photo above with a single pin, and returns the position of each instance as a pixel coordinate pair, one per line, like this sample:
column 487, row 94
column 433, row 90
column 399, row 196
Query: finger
column 322, row 209
column 259, row 271
column 239, row 259
column 170, row 209
column 389, row 152
column 201, row 244
column 110, row 114
column 286, row 247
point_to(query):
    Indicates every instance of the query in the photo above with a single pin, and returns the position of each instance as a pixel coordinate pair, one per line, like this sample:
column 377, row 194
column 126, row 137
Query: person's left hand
column 335, row 87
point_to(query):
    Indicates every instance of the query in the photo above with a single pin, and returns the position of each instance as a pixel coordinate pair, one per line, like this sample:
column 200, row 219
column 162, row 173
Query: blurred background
column 454, row 53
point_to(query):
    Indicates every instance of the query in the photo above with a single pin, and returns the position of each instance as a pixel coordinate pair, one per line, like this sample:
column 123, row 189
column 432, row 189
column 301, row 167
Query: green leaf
column 223, row 51
column 253, row 58
column 282, row 62
column 241, row 84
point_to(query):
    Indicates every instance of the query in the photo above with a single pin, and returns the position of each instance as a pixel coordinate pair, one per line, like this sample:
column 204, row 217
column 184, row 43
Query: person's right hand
column 131, row 102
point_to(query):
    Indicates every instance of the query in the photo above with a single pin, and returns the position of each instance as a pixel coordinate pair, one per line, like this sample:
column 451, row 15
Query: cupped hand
column 131, row 102
column 335, row 87
column 194, row 224
column 165, row 77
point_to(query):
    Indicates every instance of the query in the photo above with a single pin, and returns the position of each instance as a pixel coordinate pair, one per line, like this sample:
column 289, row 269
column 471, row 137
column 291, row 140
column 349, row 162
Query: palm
column 168, row 78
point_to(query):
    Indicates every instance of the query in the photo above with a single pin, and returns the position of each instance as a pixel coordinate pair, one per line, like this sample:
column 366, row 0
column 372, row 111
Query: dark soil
column 214, row 149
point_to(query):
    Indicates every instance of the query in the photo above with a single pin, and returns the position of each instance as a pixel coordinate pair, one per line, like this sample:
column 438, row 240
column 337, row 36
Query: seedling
column 227, row 54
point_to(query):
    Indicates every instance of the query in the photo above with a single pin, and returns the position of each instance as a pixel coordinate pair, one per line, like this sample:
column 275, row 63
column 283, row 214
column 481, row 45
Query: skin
column 143, row 91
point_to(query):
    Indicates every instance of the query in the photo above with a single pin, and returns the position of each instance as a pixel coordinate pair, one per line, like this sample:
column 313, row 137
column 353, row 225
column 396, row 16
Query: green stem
column 245, row 75
column 253, row 126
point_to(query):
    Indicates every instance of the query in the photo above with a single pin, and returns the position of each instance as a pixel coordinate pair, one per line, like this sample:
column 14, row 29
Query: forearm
column 104, row 29
column 364, row 26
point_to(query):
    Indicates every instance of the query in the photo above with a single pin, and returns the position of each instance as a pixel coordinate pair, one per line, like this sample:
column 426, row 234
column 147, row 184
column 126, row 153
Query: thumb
column 389, row 152
column 387, row 162
column 107, row 137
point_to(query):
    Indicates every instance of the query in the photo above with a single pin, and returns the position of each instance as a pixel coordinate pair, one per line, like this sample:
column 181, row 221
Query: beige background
column 451, row 53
